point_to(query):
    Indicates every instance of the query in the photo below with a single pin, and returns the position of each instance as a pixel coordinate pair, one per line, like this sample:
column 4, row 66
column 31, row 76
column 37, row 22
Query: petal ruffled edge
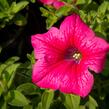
column 94, row 54
column 74, row 27
column 68, row 79
column 81, row 84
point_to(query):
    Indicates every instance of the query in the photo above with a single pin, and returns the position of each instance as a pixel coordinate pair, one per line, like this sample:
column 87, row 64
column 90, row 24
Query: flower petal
column 94, row 53
column 39, row 70
column 50, row 43
column 80, row 81
column 52, row 77
column 74, row 28
column 58, row 4
column 68, row 79
column 48, row 2
column 43, row 66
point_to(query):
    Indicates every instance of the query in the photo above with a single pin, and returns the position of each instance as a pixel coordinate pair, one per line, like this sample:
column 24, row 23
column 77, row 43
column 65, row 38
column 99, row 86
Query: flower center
column 73, row 54
column 77, row 56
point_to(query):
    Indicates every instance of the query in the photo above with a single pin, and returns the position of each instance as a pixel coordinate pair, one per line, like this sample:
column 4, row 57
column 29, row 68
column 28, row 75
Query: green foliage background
column 16, row 88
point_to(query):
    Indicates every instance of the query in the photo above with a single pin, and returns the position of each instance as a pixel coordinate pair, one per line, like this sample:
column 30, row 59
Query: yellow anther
column 76, row 56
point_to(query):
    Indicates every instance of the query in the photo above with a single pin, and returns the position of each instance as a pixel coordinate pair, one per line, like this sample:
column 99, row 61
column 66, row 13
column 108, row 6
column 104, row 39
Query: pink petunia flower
column 65, row 56
column 48, row 2
column 56, row 3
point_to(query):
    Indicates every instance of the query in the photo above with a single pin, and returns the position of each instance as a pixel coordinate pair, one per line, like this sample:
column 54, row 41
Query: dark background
column 15, row 40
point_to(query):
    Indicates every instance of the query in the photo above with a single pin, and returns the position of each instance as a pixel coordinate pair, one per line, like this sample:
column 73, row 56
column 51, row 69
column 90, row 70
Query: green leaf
column 28, row 107
column 20, row 20
column 27, row 88
column 4, row 4
column 7, row 14
column 2, row 15
column 63, row 11
column 16, row 7
column 82, row 107
column 31, row 57
column 16, row 98
column 49, row 8
column 92, row 100
column 69, row 1
column 51, row 17
column 3, row 87
column 88, row 1
column 2, row 68
column 47, row 98
column 33, row 1
column 50, row 21
column 91, row 104
column 45, row 12
column 3, row 105
column 12, row 60
column 71, row 101
column 107, row 15
column 102, row 8
column 40, row 106
column 9, row 74
column 81, row 2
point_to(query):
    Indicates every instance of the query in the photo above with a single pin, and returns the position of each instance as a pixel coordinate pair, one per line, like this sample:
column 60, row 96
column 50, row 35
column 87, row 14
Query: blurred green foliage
column 16, row 88
column 9, row 11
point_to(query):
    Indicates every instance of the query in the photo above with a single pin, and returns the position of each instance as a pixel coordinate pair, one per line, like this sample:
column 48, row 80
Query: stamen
column 73, row 54
column 77, row 56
